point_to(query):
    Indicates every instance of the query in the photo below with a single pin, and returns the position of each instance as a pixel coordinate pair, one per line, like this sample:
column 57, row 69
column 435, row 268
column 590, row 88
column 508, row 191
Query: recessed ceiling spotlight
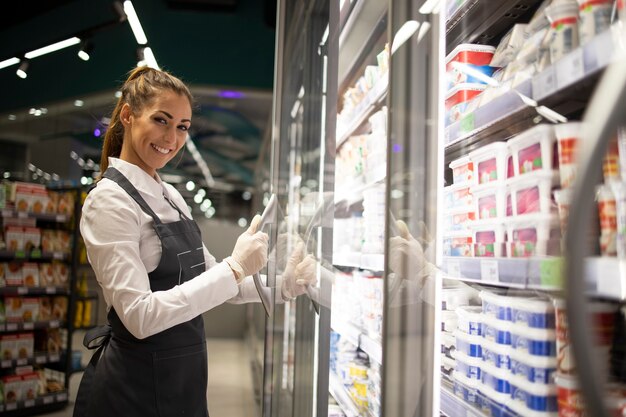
column 79, row 103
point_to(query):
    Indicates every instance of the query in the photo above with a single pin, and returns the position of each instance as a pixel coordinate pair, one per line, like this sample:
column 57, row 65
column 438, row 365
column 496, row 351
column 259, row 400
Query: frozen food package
column 510, row 45
column 563, row 17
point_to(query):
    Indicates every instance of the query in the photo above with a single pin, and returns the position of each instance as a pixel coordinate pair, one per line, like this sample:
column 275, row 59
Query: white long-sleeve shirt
column 123, row 248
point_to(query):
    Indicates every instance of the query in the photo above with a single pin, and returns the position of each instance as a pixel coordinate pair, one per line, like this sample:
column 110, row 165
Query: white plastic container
column 459, row 218
column 496, row 403
column 534, row 149
column 468, row 344
column 533, row 312
column 498, row 379
column 477, row 57
column 447, row 342
column 469, row 319
column 533, row 235
column 459, row 98
column 489, row 238
column 490, row 202
column 449, row 321
column 568, row 142
column 462, row 170
column 563, row 17
column 453, row 298
column 532, row 193
column 458, row 243
column 535, row 369
column 498, row 305
column 490, row 163
column 595, row 18
column 607, row 214
column 540, row 342
column 468, row 366
column 458, row 195
column 531, row 397
column 496, row 331
column 497, row 355
column 465, row 388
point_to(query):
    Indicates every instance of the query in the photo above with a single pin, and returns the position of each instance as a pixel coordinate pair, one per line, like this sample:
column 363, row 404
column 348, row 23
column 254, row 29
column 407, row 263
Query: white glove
column 406, row 255
column 250, row 252
column 298, row 274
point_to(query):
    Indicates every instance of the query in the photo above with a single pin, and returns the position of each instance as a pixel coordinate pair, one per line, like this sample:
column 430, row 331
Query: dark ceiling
column 216, row 46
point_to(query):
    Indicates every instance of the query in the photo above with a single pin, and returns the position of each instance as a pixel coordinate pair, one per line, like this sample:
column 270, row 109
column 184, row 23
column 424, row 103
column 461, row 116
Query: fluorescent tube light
column 430, row 6
column 52, row 48
column 9, row 62
column 148, row 56
column 135, row 25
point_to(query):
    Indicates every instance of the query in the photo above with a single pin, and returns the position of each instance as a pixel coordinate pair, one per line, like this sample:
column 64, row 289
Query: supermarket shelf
column 15, row 291
column 37, row 359
column 16, row 327
column 373, row 262
column 605, row 276
column 59, row 218
column 364, row 109
column 39, row 405
column 358, row 338
column 35, row 255
column 486, row 21
column 353, row 192
column 453, row 406
column 339, row 393
column 561, row 87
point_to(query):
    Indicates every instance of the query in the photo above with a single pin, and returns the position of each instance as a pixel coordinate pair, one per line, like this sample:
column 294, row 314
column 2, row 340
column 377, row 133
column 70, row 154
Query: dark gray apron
column 162, row 375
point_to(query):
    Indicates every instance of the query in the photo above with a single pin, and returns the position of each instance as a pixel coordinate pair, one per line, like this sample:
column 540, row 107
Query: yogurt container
column 453, row 298
column 568, row 137
column 490, row 163
column 458, row 195
column 458, row 99
column 495, row 403
column 534, row 397
column 497, row 379
column 468, row 366
column 459, row 218
column 497, row 331
column 458, row 243
column 497, row 304
column 449, row 321
column 534, row 235
column 563, row 33
column 534, row 149
column 489, row 238
column 470, row 345
column 595, row 18
column 465, row 388
column 469, row 319
column 533, row 312
column 496, row 354
column 532, row 193
column 448, row 342
column 447, row 365
column 607, row 214
column 535, row 369
column 540, row 342
column 462, row 170
column 477, row 57
column 570, row 398
column 490, row 202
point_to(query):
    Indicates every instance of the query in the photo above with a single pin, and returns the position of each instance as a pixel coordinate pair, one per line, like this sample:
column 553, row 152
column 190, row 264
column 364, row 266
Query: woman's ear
column 125, row 114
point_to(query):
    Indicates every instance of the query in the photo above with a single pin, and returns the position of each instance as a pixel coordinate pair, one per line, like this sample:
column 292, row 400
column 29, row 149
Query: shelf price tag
column 54, row 358
column 22, row 215
column 11, row 407
column 551, row 272
column 29, row 326
column 54, row 323
column 48, row 399
column 22, row 362
column 36, row 253
column 454, row 269
column 544, row 83
column 6, row 364
column 57, row 255
column 29, row 403
column 489, row 271
column 22, row 290
column 40, row 359
column 20, row 254
column 62, row 396
column 11, row 327
column 570, row 69
column 7, row 213
column 51, row 290
column 468, row 123
column 61, row 217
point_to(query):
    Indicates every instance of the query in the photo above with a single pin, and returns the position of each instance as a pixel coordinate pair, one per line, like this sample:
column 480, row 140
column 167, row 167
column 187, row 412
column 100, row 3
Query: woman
column 157, row 277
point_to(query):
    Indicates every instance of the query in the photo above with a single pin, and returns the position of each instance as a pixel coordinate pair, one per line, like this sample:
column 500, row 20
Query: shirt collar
column 138, row 177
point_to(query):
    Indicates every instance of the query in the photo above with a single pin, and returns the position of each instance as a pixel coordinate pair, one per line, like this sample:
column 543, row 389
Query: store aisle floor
column 230, row 392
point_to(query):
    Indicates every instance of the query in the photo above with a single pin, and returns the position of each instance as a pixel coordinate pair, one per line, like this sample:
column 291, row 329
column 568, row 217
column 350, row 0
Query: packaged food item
column 66, row 203
column 30, row 386
column 533, row 341
column 30, row 309
column 61, row 273
column 497, row 379
column 46, row 275
column 457, row 195
column 54, row 342
column 490, row 201
column 8, row 346
column 477, row 57
column 45, row 309
column 533, row 312
column 3, row 277
column 458, row 98
column 13, row 308
column 532, row 193
column 12, row 385
column 534, row 149
column 510, row 45
column 497, row 331
column 489, row 238
column 59, row 308
column 30, row 274
column 453, row 298
column 468, row 366
column 459, row 219
column 52, row 202
column 533, row 368
column 531, row 397
column 607, row 214
column 621, row 149
column 619, row 191
column 610, row 163
column 14, row 236
column 449, row 320
column 39, row 200
column 568, row 137
column 490, row 162
column 534, row 235
column 14, row 273
column 32, row 238
column 562, row 198
column 496, row 354
column 469, row 319
column 463, row 170
column 563, row 17
column 25, row 345
column 470, row 345
column 458, row 243
column 595, row 18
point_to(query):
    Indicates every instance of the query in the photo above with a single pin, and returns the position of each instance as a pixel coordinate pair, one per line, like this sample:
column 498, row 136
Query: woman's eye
column 184, row 128
column 160, row 120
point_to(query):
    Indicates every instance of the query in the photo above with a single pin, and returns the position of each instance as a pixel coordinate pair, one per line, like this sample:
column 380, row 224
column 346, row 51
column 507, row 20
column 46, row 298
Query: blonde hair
column 139, row 90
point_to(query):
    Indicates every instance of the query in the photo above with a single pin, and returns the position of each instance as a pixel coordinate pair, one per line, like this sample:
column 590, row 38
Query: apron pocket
column 180, row 380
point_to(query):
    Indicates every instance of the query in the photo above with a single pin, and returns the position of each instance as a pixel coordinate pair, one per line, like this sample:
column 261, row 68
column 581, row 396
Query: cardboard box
column 30, row 309
column 46, row 275
column 12, row 387
column 45, row 308
column 13, row 309
column 13, row 274
column 30, row 386
column 8, row 346
column 25, row 345
column 14, row 237
column 61, row 273
column 59, row 308
column 30, row 274
column 32, row 238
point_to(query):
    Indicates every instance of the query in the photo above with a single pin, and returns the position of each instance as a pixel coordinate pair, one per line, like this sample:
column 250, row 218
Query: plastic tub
column 533, row 312
column 495, row 403
column 497, row 331
column 562, row 199
column 465, row 388
column 540, row 342
column 458, row 243
column 568, row 137
column 532, row 193
column 478, row 57
column 535, row 397
column 489, row 238
column 534, row 149
column 453, row 298
column 490, row 163
column 607, row 214
column 468, row 366
column 458, row 99
column 498, row 304
column 447, row 365
column 447, row 343
column 469, row 319
column 570, row 398
column 458, row 195
column 536, row 369
column 462, row 170
column 595, row 18
column 490, row 201
column 533, row 235
column 449, row 321
column 563, row 32
column 497, row 379
column 459, row 218
column 497, row 355
column 470, row 345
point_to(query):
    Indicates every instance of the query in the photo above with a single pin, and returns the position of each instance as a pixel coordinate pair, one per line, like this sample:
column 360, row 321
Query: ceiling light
column 135, row 25
column 404, row 33
column 242, row 222
column 52, row 48
column 79, row 103
column 85, row 49
column 118, row 94
column 190, row 185
column 201, row 192
column 9, row 62
column 12, row 117
column 430, row 6
column 21, row 70
column 148, row 55
column 247, row 195
column 198, row 198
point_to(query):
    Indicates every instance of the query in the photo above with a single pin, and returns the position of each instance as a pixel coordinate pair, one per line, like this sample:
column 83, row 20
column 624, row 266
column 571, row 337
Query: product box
column 13, row 274
column 61, row 273
column 30, row 274
column 25, row 345
column 13, row 308
column 32, row 238
column 66, row 204
column 59, row 308
column 8, row 346
column 54, row 343
column 38, row 200
column 12, row 387
column 30, row 309
column 3, row 274
column 45, row 308
column 14, row 237
column 46, row 275
column 30, row 386
column 52, row 203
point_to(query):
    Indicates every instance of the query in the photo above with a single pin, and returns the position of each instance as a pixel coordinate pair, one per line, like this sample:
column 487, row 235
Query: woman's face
column 153, row 136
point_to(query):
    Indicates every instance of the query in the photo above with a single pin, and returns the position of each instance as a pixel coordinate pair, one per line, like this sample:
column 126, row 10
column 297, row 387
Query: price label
column 6, row 364
column 54, row 323
column 22, row 362
column 29, row 403
column 48, row 400
column 62, row 396
column 20, row 254
column 11, row 327
column 51, row 290
column 29, row 326
column 454, row 269
column 61, row 217
column 489, row 271
column 7, row 213
column 36, row 253
column 22, row 215
column 57, row 255
column 544, row 83
column 468, row 123
column 11, row 407
column 2, row 327
column 22, row 290
column 570, row 69
column 40, row 359
column 54, row 358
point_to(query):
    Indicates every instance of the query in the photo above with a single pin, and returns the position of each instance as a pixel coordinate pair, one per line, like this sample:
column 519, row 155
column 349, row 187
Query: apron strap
column 116, row 176
column 96, row 338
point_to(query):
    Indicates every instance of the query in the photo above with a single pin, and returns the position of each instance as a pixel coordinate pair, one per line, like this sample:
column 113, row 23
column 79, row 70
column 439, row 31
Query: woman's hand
column 299, row 273
column 250, row 252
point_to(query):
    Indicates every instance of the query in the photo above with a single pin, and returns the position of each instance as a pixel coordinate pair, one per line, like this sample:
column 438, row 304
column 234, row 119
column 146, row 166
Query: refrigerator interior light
column 135, row 25
column 51, row 48
column 404, row 33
